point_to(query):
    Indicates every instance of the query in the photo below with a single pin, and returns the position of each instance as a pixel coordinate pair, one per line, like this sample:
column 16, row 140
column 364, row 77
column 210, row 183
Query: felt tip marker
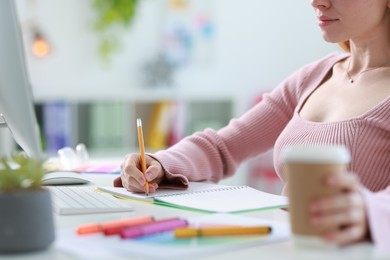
column 103, row 227
column 153, row 228
column 221, row 231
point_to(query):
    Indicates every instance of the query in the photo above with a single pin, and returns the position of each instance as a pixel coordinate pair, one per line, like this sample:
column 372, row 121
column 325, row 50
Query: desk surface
column 282, row 250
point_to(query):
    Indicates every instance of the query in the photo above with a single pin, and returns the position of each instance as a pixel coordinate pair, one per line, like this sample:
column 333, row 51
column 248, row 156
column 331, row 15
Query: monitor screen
column 16, row 101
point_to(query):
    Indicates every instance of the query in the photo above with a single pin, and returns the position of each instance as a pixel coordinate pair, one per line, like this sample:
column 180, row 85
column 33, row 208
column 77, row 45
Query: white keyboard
column 72, row 200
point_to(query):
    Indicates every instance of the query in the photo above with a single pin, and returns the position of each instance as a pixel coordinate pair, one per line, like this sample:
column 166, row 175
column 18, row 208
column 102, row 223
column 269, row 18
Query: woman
column 340, row 99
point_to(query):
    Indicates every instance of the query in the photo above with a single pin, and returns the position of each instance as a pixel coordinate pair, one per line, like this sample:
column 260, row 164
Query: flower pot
column 26, row 221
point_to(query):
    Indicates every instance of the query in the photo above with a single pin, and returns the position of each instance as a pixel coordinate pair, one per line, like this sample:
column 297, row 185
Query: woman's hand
column 132, row 177
column 343, row 215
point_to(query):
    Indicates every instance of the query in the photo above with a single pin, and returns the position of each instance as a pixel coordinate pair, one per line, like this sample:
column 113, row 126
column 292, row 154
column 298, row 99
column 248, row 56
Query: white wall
column 261, row 42
column 258, row 44
column 74, row 67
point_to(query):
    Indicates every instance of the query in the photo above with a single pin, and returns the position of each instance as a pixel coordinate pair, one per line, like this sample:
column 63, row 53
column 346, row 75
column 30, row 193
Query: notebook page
column 228, row 199
column 208, row 197
column 193, row 187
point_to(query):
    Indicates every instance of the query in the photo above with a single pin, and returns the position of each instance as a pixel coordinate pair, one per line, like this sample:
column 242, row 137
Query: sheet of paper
column 233, row 199
column 193, row 187
column 209, row 197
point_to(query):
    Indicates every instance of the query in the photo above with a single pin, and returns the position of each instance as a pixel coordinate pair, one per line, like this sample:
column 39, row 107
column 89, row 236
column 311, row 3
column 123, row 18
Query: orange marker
column 121, row 223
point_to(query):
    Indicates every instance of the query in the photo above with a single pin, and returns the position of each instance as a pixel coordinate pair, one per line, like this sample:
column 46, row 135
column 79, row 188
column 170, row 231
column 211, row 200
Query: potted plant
column 112, row 15
column 26, row 216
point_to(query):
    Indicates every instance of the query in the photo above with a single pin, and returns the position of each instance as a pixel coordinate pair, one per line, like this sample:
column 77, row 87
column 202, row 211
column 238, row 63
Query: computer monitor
column 16, row 100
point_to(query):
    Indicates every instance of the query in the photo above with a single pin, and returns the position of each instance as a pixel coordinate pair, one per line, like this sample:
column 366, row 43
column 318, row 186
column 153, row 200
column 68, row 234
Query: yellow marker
column 142, row 153
column 221, row 231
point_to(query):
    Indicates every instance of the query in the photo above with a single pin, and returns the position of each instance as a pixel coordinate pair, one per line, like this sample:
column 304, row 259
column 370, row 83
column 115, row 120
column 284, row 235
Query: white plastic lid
column 316, row 154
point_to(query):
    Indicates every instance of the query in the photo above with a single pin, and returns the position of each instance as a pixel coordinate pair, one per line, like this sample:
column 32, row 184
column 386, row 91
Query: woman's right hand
column 132, row 178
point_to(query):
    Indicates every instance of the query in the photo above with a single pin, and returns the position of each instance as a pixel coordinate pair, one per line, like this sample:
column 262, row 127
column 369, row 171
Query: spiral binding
column 228, row 188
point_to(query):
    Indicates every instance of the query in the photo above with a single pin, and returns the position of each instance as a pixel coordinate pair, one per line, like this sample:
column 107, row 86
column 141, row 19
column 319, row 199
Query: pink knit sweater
column 274, row 123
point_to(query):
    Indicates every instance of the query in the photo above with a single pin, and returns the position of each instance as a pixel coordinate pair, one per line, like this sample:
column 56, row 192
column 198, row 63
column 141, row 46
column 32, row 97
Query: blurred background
column 180, row 65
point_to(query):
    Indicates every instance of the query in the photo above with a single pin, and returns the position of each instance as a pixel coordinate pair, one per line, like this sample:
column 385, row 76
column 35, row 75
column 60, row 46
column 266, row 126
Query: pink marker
column 153, row 228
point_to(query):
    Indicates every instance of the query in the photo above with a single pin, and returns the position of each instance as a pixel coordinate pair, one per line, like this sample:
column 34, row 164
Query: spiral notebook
column 208, row 197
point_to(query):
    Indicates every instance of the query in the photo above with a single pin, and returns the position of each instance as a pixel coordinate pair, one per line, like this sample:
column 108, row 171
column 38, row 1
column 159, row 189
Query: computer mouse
column 64, row 178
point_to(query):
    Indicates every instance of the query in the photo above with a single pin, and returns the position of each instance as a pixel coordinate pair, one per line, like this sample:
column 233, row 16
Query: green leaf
column 111, row 13
column 20, row 172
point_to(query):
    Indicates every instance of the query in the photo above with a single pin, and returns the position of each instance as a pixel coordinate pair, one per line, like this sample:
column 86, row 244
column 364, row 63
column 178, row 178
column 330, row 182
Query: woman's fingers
column 117, row 182
column 345, row 182
column 337, row 202
column 348, row 235
column 154, row 173
column 130, row 174
column 133, row 179
column 342, row 215
column 336, row 219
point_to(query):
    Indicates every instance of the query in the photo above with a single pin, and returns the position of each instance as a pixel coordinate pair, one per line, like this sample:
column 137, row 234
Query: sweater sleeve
column 378, row 210
column 212, row 155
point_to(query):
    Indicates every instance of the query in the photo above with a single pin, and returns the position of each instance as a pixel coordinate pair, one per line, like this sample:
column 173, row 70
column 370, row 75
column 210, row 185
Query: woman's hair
column 345, row 46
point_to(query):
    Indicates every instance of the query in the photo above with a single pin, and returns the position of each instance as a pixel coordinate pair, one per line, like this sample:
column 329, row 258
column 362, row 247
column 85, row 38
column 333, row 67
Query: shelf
column 134, row 94
column 108, row 126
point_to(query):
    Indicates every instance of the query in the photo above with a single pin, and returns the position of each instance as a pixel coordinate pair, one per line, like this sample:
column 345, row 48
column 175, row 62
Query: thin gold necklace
column 352, row 80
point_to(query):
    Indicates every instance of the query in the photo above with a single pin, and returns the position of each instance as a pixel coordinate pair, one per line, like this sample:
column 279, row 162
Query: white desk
column 284, row 250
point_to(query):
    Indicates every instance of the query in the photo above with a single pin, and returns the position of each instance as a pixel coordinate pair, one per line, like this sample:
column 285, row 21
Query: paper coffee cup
column 305, row 168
